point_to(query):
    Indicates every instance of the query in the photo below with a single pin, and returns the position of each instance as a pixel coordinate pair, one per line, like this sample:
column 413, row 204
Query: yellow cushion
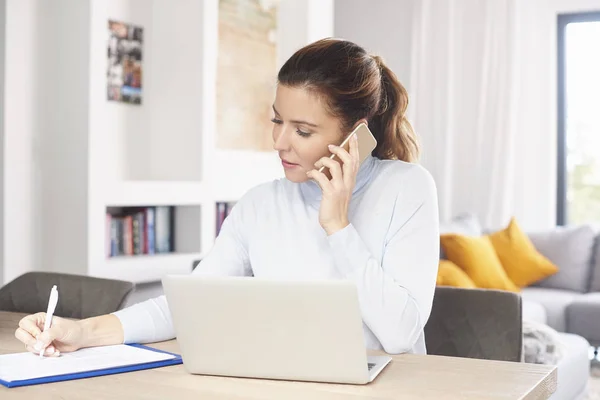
column 523, row 264
column 449, row 274
column 476, row 256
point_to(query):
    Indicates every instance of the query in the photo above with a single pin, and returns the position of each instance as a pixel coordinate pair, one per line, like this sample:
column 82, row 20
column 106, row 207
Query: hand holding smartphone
column 366, row 143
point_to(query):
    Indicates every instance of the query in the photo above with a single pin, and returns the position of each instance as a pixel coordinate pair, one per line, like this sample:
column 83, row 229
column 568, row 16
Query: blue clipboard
column 99, row 372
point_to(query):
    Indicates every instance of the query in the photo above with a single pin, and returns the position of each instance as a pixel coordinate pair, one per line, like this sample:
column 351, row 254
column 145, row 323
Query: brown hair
column 356, row 85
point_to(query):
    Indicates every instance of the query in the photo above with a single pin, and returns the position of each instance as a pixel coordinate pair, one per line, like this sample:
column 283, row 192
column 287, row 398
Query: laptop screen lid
column 264, row 328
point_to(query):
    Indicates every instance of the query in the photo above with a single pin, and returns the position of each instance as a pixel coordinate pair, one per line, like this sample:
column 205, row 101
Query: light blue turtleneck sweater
column 390, row 250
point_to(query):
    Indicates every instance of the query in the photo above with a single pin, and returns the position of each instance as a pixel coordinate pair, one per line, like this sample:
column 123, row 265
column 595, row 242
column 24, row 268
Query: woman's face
column 302, row 129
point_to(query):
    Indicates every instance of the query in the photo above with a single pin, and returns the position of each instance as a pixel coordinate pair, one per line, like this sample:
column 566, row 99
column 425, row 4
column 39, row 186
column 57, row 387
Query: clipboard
column 100, row 372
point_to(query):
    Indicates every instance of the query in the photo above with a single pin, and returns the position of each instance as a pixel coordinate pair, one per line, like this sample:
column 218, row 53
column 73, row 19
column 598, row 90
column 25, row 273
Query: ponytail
column 397, row 140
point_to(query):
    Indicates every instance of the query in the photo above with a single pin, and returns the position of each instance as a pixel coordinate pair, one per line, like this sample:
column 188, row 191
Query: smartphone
column 366, row 143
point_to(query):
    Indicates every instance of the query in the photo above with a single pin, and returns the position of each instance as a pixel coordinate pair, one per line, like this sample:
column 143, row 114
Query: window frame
column 561, row 194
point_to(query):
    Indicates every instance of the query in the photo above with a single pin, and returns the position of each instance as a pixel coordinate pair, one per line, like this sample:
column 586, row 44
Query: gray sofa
column 568, row 302
column 571, row 297
column 488, row 324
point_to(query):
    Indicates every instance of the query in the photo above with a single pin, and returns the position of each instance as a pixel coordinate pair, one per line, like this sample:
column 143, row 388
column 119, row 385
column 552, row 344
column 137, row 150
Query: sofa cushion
column 477, row 257
column 569, row 248
column 463, row 224
column 450, row 274
column 555, row 302
column 573, row 368
column 534, row 312
column 595, row 284
column 523, row 263
column 583, row 317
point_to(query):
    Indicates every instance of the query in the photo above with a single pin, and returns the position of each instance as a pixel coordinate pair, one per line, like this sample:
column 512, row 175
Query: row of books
column 140, row 230
column 223, row 210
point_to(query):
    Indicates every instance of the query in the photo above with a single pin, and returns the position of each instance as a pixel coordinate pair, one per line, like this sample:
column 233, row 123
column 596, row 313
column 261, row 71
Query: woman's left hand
column 337, row 191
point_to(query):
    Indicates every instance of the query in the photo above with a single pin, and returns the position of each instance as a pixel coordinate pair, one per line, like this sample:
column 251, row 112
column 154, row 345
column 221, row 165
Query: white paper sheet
column 24, row 366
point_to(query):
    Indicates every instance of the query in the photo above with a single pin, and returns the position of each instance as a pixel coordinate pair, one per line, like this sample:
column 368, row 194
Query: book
column 223, row 210
column 163, row 227
column 140, row 230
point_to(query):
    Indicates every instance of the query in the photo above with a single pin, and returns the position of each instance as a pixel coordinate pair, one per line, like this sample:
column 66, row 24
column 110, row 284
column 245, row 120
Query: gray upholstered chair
column 475, row 323
column 78, row 296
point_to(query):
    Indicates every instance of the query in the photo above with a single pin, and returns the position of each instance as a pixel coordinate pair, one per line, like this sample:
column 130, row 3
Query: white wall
column 63, row 100
column 19, row 168
column 133, row 135
column 2, row 169
column 301, row 22
column 382, row 27
column 123, row 128
column 46, row 75
column 174, row 91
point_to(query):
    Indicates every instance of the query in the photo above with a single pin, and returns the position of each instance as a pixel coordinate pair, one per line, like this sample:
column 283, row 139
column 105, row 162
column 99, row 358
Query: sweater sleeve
column 396, row 294
column 150, row 320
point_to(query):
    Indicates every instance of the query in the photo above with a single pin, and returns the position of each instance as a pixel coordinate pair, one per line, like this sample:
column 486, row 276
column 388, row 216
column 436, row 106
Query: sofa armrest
column 475, row 323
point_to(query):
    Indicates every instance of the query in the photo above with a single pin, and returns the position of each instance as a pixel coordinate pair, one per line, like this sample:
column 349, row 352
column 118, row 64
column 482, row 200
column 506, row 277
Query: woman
column 375, row 223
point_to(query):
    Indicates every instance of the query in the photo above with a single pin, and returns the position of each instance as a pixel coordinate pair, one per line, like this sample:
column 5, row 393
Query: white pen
column 49, row 312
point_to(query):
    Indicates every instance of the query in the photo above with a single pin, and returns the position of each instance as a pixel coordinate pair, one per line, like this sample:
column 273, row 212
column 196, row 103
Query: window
column 578, row 195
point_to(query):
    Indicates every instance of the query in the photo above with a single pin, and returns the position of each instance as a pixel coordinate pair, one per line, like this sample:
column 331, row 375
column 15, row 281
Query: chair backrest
column 475, row 323
column 79, row 296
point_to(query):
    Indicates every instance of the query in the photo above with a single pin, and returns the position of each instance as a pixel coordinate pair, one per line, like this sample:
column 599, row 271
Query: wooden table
column 408, row 376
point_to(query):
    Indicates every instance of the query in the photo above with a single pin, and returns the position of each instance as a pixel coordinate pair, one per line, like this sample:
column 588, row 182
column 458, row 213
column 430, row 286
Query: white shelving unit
column 146, row 268
column 158, row 193
column 179, row 165
column 159, row 153
column 74, row 154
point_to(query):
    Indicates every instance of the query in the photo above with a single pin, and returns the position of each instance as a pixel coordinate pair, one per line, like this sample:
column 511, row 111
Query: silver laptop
column 263, row 328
